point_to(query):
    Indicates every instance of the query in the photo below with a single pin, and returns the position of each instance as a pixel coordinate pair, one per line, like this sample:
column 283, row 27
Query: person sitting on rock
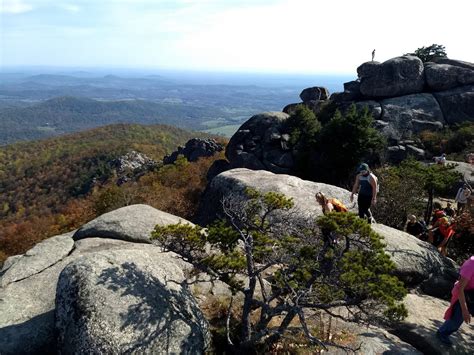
column 416, row 228
column 440, row 234
column 462, row 303
column 441, row 159
column 449, row 210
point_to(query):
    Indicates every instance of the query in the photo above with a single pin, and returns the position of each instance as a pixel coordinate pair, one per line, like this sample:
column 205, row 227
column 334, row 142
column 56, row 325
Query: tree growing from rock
column 322, row 157
column 286, row 269
column 357, row 141
column 427, row 54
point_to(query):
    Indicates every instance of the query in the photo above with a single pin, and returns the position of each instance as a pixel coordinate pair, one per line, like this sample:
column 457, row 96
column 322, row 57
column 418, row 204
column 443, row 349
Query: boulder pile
column 404, row 96
column 106, row 288
column 408, row 96
column 84, row 292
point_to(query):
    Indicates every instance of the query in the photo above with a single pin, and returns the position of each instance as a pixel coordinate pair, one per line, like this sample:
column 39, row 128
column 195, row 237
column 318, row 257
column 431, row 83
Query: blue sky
column 301, row 36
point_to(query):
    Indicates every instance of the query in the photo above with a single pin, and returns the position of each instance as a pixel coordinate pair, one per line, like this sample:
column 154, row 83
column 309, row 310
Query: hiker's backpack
column 338, row 205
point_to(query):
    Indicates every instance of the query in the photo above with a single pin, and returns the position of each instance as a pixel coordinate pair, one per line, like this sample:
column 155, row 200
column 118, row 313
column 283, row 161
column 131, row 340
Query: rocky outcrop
column 425, row 316
column 465, row 169
column 410, row 114
column 395, row 77
column 131, row 223
column 446, row 76
column 127, row 301
column 194, row 149
column 262, row 144
column 418, row 263
column 457, row 104
column 314, row 93
column 37, row 259
column 28, row 291
column 132, row 166
column 413, row 96
column 235, row 181
column 397, row 153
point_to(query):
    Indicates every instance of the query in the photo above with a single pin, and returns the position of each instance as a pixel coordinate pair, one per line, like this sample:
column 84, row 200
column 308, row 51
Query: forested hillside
column 51, row 186
column 71, row 114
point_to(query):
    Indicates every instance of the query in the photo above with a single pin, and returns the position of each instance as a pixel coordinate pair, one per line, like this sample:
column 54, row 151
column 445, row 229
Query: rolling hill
column 53, row 185
column 70, row 114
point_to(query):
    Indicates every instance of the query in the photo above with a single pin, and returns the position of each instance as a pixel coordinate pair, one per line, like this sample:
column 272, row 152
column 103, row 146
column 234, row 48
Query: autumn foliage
column 53, row 186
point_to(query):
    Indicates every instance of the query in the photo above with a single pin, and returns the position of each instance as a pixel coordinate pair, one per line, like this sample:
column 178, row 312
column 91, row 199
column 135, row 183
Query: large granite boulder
column 446, row 76
column 27, row 298
column 261, row 144
column 194, row 149
column 314, row 93
column 457, row 104
column 465, row 169
column 37, row 259
column 418, row 263
column 131, row 223
column 235, row 181
column 454, row 62
column 410, row 114
column 425, row 316
column 28, row 287
column 28, row 291
column 127, row 301
column 394, row 77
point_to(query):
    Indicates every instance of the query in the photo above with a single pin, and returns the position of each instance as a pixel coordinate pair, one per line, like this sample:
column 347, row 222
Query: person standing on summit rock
column 365, row 186
column 373, row 55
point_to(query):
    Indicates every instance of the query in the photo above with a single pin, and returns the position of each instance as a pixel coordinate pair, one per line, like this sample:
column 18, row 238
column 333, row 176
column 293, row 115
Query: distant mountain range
column 38, row 105
column 69, row 114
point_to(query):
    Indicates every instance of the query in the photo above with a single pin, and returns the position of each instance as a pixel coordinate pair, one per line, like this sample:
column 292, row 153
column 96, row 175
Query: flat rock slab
column 132, row 223
column 127, row 301
column 38, row 258
column 425, row 316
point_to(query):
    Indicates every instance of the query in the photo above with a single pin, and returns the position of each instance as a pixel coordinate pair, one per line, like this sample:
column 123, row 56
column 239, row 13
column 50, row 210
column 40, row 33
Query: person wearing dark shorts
column 365, row 186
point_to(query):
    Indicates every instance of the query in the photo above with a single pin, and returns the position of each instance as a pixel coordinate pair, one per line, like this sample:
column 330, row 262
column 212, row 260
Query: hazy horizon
column 237, row 36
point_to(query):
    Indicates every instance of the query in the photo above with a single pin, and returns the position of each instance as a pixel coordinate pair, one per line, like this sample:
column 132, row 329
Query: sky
column 267, row 36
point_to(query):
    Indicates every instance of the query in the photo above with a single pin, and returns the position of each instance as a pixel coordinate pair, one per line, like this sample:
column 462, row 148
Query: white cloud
column 70, row 7
column 14, row 7
column 263, row 35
